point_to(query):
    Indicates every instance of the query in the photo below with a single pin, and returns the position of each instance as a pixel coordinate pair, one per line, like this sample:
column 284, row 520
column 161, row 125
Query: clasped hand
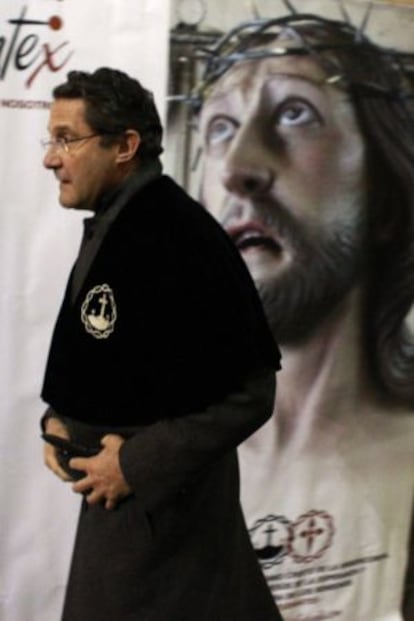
column 103, row 480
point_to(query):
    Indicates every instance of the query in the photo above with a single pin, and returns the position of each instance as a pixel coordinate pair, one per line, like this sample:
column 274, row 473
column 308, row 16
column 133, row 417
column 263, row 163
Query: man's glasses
column 63, row 143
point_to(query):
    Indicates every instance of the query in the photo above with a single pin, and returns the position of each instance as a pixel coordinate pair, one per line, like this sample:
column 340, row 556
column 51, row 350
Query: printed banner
column 40, row 41
column 276, row 155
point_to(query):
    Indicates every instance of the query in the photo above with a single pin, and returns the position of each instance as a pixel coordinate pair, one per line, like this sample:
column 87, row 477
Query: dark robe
column 163, row 339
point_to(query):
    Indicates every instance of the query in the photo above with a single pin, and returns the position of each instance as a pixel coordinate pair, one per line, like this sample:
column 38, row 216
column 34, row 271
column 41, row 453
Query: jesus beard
column 325, row 268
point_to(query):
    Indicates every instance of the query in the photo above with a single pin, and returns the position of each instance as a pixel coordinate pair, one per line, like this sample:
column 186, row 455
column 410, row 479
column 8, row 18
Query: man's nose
column 51, row 158
column 248, row 169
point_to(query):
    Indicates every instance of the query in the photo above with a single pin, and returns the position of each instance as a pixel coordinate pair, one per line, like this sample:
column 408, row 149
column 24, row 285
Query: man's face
column 87, row 169
column 284, row 173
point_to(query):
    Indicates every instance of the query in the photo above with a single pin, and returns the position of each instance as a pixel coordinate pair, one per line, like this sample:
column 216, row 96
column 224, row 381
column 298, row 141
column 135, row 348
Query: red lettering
column 48, row 61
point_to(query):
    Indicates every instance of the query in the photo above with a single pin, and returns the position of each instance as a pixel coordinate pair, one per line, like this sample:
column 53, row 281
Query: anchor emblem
column 270, row 537
column 98, row 311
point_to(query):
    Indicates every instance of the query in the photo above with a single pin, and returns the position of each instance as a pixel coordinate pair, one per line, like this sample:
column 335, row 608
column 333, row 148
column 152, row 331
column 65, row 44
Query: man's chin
column 65, row 200
column 67, row 203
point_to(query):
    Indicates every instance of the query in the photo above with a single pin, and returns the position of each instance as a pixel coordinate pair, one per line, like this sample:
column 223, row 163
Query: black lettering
column 22, row 52
column 15, row 34
column 26, row 47
column 335, row 585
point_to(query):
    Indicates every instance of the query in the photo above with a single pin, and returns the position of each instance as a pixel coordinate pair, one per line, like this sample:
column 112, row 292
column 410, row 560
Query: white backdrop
column 40, row 40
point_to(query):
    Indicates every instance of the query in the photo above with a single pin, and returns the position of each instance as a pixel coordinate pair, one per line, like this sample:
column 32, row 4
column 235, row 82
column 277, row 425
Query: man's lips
column 60, row 179
column 253, row 236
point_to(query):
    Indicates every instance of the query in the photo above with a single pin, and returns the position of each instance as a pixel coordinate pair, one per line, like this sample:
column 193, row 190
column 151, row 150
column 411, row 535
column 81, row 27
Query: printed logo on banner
column 306, row 539
column 306, row 582
column 29, row 47
column 270, row 537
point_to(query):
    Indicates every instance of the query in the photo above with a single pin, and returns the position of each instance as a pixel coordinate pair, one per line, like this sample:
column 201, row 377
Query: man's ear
column 128, row 145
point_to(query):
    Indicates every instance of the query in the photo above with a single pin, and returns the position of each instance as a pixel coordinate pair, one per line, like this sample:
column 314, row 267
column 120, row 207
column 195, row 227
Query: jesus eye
column 220, row 129
column 297, row 112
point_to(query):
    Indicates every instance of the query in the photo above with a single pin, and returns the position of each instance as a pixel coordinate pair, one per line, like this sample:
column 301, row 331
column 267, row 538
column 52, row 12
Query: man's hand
column 55, row 427
column 103, row 481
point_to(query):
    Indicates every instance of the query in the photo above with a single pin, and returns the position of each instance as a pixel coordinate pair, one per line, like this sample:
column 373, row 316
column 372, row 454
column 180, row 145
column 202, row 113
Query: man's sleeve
column 163, row 458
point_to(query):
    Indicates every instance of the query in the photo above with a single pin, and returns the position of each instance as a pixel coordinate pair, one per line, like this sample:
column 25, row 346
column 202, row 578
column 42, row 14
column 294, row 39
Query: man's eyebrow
column 62, row 127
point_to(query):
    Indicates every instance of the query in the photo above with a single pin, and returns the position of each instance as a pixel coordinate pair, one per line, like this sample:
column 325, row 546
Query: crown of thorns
column 380, row 71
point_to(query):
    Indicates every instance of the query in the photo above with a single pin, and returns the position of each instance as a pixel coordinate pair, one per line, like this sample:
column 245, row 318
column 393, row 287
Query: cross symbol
column 311, row 533
column 269, row 532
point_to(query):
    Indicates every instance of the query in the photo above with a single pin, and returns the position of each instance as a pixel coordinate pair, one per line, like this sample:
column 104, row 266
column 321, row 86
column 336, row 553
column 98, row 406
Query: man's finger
column 82, row 486
column 110, row 504
column 79, row 463
column 51, row 461
column 61, row 474
column 93, row 498
column 112, row 440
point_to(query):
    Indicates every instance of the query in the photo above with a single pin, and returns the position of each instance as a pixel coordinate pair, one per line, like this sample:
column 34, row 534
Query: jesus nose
column 249, row 165
column 247, row 180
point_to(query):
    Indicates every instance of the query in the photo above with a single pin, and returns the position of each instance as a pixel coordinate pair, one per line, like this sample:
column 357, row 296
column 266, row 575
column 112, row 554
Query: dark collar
column 97, row 226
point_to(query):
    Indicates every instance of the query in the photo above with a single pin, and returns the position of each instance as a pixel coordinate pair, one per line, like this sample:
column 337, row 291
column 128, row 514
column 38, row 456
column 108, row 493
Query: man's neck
column 130, row 180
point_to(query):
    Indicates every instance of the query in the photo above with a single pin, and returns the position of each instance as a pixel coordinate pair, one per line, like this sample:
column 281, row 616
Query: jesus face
column 285, row 174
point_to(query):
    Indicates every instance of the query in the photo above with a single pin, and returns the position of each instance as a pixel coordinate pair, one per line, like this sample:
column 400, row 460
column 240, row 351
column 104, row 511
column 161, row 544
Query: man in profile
column 161, row 363
column 308, row 139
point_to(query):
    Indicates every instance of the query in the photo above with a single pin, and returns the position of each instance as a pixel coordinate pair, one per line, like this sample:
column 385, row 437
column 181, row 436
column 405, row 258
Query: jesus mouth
column 246, row 238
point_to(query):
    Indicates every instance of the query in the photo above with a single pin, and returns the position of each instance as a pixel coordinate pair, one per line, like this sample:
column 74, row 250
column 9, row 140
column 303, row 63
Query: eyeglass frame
column 62, row 142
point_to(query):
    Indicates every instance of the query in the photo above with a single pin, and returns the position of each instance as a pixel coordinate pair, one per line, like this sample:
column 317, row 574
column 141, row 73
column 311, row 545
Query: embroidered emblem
column 98, row 312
